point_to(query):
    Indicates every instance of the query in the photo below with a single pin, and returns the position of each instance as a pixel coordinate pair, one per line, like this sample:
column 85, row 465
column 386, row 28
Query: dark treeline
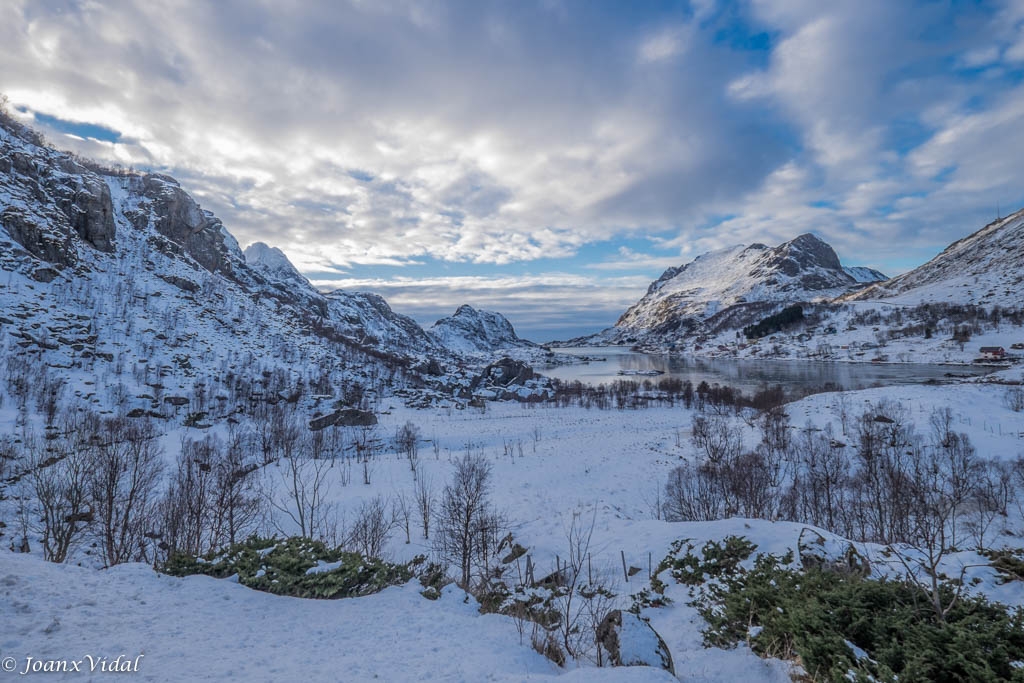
column 880, row 480
column 671, row 391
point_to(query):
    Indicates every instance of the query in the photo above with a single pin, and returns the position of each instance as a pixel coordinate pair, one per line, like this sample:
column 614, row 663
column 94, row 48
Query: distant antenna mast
column 998, row 212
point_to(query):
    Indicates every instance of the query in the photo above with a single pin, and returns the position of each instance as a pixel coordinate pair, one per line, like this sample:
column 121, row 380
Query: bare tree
column 424, row 503
column 236, row 503
column 843, row 410
column 988, row 499
column 59, row 479
column 123, row 480
column 186, row 511
column 401, row 513
column 716, row 437
column 465, row 521
column 305, row 490
column 407, row 442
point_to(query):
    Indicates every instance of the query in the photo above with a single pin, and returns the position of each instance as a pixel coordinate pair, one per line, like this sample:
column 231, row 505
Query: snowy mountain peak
column 713, row 288
column 474, row 331
column 272, row 263
column 806, row 251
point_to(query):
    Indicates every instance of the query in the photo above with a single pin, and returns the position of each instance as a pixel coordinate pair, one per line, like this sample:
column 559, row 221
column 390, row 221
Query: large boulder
column 630, row 641
column 831, row 554
column 506, row 372
column 349, row 417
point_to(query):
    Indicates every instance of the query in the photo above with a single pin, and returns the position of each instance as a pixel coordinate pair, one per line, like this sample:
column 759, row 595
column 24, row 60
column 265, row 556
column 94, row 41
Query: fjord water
column 747, row 374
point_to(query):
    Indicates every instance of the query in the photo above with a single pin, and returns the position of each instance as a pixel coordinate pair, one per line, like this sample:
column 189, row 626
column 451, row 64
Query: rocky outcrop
column 50, row 204
column 474, row 331
column 348, row 417
column 630, row 641
column 504, row 373
column 169, row 210
column 510, row 379
column 832, row 555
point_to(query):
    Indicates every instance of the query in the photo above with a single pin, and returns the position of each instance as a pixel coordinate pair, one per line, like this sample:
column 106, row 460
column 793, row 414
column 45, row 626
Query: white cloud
column 663, row 45
column 388, row 133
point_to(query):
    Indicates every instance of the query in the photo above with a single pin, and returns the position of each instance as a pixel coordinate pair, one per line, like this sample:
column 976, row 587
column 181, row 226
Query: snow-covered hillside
column 122, row 269
column 731, row 287
column 985, row 268
column 474, row 331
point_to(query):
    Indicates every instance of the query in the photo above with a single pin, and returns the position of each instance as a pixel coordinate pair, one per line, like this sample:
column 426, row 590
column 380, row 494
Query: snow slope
column 203, row 629
column 561, row 462
column 985, row 268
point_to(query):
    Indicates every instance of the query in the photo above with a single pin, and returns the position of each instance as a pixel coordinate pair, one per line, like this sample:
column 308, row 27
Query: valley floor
column 547, row 464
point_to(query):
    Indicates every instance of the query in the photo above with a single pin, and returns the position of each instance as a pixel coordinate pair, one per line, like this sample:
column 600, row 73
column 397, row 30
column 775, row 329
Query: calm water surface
column 748, row 375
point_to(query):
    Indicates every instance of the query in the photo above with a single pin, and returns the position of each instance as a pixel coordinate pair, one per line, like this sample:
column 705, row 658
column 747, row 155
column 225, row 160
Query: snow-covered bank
column 199, row 628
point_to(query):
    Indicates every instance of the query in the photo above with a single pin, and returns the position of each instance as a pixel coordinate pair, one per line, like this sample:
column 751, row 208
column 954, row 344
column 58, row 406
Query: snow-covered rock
column 273, row 264
column 474, row 331
column 630, row 641
column 863, row 274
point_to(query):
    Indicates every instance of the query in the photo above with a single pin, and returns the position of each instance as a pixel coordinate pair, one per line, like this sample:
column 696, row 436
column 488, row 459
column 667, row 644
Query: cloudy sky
column 543, row 158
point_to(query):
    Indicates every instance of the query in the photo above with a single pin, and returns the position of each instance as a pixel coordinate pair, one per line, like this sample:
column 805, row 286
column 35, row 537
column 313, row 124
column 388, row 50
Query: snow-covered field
column 547, row 464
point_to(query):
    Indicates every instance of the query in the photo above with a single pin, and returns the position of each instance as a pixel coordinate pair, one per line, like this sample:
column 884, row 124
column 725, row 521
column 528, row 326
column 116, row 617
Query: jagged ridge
column 475, row 331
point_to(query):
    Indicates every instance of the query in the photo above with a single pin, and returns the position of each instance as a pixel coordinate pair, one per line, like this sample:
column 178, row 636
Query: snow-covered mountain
column 985, row 268
column 126, row 268
column 273, row 265
column 473, row 331
column 864, row 275
column 363, row 317
column 730, row 286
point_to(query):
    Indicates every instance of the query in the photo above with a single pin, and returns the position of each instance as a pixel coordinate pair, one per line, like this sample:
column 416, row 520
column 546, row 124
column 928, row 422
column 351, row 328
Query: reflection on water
column 747, row 374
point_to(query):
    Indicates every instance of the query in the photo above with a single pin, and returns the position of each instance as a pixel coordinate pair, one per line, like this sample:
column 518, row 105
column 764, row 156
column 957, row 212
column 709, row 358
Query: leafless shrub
column 371, row 528
column 694, row 494
column 584, row 598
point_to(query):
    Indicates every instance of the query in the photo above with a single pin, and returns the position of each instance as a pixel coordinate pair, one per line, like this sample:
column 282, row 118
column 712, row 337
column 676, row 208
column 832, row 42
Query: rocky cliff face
column 52, row 205
column 477, row 332
column 718, row 287
column 160, row 203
